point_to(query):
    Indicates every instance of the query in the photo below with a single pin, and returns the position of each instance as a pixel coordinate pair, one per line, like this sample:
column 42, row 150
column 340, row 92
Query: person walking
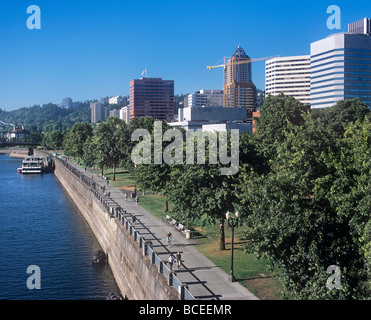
column 136, row 199
column 171, row 261
column 168, row 238
column 178, row 259
column 126, row 196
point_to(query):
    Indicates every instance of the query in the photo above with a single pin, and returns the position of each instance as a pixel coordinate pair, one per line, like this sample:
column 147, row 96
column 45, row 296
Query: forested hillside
column 47, row 117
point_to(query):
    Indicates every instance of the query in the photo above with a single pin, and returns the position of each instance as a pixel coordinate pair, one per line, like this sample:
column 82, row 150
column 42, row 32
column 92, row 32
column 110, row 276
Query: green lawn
column 251, row 272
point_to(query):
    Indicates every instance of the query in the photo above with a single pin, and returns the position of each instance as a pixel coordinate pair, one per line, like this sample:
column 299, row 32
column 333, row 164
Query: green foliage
column 110, row 140
column 53, row 140
column 311, row 209
column 48, row 117
column 341, row 114
column 276, row 114
column 76, row 138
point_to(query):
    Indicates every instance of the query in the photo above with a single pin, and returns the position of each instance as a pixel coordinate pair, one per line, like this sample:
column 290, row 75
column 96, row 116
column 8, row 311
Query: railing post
column 182, row 291
column 147, row 244
column 170, row 278
column 160, row 266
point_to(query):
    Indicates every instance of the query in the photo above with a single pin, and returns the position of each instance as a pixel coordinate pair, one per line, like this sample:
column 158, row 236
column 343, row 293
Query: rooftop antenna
column 145, row 72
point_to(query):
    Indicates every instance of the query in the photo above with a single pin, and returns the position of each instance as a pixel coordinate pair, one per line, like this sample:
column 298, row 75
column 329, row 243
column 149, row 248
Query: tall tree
column 53, row 140
column 76, row 138
column 201, row 191
column 110, row 140
column 153, row 177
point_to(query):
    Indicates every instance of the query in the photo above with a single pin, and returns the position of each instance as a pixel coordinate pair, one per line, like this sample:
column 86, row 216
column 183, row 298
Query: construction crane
column 238, row 62
column 226, row 63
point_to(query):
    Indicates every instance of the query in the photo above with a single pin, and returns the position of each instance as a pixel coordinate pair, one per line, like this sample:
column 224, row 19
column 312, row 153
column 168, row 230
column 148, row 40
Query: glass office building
column 340, row 69
column 151, row 97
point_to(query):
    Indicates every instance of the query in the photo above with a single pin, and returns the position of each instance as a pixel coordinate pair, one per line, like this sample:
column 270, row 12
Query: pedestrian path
column 205, row 280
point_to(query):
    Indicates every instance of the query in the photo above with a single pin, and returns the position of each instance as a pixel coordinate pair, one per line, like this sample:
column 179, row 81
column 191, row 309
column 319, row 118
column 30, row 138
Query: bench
column 185, row 232
column 173, row 222
column 180, row 227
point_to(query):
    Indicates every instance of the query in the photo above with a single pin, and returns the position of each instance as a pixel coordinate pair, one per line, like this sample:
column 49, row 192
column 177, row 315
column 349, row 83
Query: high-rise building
column 114, row 113
column 98, row 112
column 205, row 98
column 290, row 76
column 151, row 97
column 341, row 69
column 67, row 103
column 239, row 90
column 124, row 114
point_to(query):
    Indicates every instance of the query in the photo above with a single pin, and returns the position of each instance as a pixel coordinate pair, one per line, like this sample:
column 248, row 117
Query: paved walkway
column 205, row 280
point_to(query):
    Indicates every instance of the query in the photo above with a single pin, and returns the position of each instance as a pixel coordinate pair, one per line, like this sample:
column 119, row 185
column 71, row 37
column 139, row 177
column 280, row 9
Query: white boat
column 32, row 165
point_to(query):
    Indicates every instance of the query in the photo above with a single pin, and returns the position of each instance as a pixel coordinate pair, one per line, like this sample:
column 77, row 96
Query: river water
column 40, row 226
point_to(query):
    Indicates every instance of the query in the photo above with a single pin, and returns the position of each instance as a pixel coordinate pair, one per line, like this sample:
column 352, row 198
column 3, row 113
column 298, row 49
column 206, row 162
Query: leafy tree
column 110, row 141
column 293, row 218
column 152, row 177
column 351, row 190
column 341, row 114
column 53, row 140
column 201, row 191
column 90, row 152
column 76, row 138
column 276, row 114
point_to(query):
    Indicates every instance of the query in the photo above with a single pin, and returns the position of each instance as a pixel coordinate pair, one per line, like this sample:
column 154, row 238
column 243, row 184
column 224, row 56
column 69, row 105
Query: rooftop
column 240, row 53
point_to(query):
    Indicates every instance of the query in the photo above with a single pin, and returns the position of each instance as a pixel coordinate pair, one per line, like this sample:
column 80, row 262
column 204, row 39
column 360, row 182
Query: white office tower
column 124, row 114
column 340, row 69
column 206, row 98
column 290, row 76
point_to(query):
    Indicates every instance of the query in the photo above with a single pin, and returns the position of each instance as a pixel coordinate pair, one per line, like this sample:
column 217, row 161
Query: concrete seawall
column 19, row 152
column 135, row 274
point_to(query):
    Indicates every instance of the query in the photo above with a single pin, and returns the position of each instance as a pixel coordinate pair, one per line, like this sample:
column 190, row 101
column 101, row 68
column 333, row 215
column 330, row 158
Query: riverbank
column 204, row 278
column 138, row 276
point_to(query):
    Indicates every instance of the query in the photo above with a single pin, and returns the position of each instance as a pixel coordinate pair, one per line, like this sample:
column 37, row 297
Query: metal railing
column 114, row 210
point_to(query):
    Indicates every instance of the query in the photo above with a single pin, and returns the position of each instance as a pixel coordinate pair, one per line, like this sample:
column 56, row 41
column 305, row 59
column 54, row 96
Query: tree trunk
column 166, row 204
column 114, row 173
column 222, row 235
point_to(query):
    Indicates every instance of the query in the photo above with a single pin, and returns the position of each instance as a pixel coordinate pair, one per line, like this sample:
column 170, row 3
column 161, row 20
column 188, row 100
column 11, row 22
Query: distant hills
column 47, row 117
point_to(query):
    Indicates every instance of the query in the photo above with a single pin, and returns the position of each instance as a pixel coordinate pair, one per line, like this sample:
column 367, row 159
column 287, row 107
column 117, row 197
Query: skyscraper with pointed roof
column 239, row 90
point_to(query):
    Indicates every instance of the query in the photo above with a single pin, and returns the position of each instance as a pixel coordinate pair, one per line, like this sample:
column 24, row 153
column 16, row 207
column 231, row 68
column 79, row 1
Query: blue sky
column 92, row 49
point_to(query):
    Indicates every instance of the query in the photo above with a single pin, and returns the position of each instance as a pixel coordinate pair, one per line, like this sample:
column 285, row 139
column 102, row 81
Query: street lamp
column 232, row 222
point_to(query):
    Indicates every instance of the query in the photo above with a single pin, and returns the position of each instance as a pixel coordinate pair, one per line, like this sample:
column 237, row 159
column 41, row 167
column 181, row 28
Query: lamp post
column 232, row 223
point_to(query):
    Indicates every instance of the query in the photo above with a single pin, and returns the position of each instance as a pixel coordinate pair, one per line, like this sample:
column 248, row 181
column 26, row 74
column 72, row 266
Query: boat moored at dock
column 32, row 165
